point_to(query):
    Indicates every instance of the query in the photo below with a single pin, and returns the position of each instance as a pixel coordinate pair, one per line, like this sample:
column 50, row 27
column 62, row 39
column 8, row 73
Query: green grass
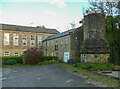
column 95, row 66
column 104, row 79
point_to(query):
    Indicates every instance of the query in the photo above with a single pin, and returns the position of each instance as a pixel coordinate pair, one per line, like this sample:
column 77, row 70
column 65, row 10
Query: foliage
column 41, row 26
column 95, row 66
column 16, row 58
column 107, row 8
column 48, row 58
column 112, row 35
column 10, row 62
column 33, row 56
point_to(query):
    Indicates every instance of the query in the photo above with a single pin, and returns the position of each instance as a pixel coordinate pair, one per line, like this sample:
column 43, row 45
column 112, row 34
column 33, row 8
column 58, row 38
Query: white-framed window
column 16, row 54
column 39, row 40
column 52, row 42
column 15, row 39
column 6, row 38
column 48, row 43
column 32, row 40
column 66, row 41
column 6, row 53
column 24, row 41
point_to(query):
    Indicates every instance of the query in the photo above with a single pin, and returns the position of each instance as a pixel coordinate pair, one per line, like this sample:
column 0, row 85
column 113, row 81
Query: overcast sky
column 51, row 13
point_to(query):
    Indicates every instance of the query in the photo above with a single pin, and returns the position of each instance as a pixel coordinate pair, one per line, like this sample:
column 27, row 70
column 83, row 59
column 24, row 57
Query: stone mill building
column 86, row 43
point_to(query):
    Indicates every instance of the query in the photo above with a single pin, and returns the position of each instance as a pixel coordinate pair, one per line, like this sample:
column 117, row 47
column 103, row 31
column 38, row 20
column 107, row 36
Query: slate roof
column 27, row 29
column 60, row 34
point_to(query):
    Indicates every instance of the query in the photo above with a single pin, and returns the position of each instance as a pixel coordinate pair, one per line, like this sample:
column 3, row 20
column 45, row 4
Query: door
column 66, row 56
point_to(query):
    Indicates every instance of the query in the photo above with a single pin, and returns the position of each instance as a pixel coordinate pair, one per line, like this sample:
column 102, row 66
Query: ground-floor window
column 16, row 54
column 6, row 53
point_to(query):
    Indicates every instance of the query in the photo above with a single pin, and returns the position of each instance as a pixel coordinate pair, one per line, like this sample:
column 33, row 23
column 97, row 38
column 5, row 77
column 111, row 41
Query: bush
column 48, row 58
column 10, row 62
column 33, row 56
column 17, row 58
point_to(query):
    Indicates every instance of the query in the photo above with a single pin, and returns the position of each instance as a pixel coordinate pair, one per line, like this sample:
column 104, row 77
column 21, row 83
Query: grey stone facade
column 86, row 43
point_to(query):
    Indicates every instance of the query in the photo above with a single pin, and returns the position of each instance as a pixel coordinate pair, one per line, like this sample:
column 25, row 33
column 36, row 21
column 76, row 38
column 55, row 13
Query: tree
column 107, row 7
column 73, row 25
column 41, row 26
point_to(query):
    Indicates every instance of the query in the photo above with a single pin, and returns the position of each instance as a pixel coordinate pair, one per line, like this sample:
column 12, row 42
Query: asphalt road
column 41, row 76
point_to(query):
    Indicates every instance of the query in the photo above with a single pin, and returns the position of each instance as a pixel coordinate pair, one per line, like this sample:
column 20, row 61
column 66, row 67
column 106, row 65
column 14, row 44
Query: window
column 56, row 45
column 66, row 41
column 32, row 40
column 61, row 42
column 24, row 41
column 40, row 40
column 15, row 39
column 6, row 53
column 52, row 53
column 47, row 43
column 52, row 43
column 6, row 38
column 16, row 54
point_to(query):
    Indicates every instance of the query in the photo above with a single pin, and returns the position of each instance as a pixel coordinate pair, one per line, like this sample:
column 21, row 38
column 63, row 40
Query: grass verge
column 104, row 79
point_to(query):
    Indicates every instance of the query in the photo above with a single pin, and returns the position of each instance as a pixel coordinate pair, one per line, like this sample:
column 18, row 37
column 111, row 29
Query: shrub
column 17, row 58
column 33, row 56
column 48, row 58
column 10, row 62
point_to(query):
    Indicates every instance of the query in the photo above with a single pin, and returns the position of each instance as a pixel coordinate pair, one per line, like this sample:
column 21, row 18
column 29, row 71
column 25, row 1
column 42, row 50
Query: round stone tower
column 94, row 26
column 95, row 47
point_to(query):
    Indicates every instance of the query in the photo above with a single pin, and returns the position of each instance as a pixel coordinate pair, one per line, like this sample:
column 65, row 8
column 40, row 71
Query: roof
column 95, row 45
column 27, row 29
column 60, row 34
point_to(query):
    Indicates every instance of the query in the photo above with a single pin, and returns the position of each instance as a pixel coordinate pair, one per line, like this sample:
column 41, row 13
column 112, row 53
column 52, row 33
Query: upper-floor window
column 52, row 43
column 66, row 41
column 40, row 40
column 15, row 39
column 6, row 53
column 56, row 45
column 48, row 43
column 61, row 42
column 32, row 40
column 24, row 41
column 6, row 38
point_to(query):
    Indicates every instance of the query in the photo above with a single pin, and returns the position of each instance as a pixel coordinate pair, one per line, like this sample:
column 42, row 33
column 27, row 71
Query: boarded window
column 15, row 39
column 6, row 38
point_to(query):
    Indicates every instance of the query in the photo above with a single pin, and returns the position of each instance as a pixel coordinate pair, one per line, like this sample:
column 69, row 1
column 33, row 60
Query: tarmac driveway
column 40, row 76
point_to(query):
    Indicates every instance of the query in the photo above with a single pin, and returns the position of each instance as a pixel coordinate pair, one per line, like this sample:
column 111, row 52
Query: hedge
column 17, row 58
column 48, row 58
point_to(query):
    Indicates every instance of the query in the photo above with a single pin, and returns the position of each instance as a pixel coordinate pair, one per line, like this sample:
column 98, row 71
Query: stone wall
column 76, row 41
column 94, row 58
column 20, row 48
column 94, row 26
column 50, row 50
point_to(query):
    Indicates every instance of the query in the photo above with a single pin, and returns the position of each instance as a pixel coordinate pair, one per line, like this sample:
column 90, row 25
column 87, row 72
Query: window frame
column 8, row 54
column 16, row 52
column 14, row 39
column 39, row 40
column 24, row 39
column 32, row 40
column 7, row 40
